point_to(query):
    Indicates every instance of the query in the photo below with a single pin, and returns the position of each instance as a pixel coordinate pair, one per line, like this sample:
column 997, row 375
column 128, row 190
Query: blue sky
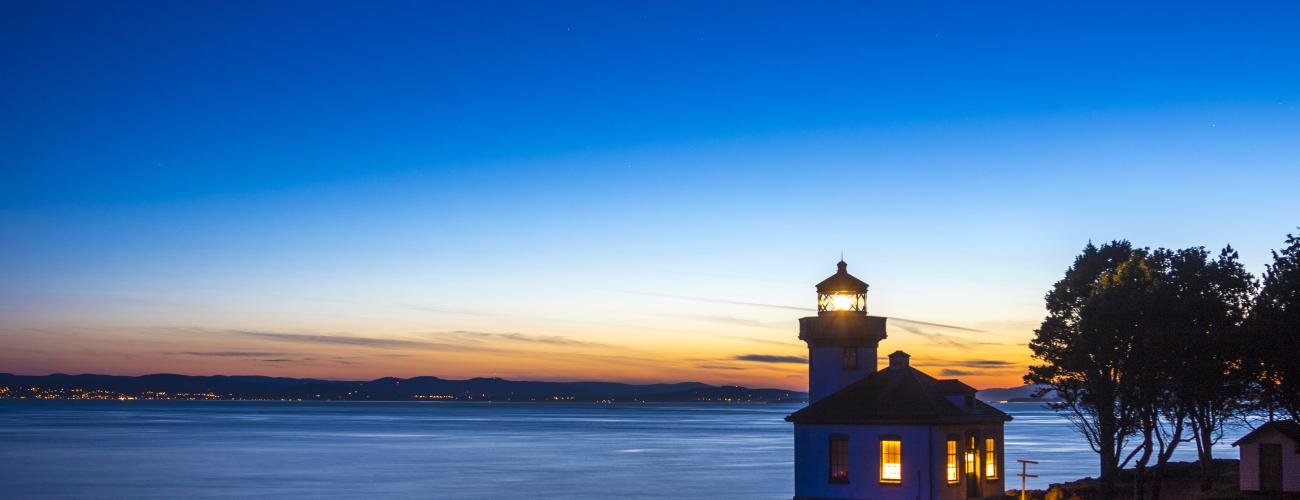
column 498, row 179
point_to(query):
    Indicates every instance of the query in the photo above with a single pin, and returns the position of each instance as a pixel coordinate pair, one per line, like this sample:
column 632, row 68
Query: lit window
column 972, row 468
column 839, row 459
column 891, row 463
column 990, row 459
column 952, row 461
column 849, row 360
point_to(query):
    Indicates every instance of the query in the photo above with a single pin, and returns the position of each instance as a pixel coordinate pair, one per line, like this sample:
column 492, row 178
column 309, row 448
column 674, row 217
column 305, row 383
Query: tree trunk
column 1163, row 456
column 1205, row 454
column 1140, row 468
column 1106, row 428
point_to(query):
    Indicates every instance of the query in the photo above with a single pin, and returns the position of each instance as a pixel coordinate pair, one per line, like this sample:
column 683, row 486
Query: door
column 972, row 467
column 1270, row 467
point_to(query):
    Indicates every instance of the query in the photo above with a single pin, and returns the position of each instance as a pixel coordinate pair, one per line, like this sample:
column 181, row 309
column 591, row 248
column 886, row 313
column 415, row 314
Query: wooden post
column 1024, row 473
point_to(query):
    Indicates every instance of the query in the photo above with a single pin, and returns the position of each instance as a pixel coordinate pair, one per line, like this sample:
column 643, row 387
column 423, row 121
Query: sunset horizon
column 591, row 250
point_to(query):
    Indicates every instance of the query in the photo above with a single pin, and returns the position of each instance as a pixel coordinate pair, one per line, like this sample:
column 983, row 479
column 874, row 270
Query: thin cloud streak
column 779, row 306
column 351, row 341
column 770, row 358
column 714, row 301
column 935, row 338
column 521, row 337
column 761, row 341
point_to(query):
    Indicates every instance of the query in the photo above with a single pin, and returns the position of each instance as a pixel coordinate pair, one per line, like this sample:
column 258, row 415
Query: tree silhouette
column 1083, row 357
column 1204, row 304
column 1275, row 328
column 1145, row 350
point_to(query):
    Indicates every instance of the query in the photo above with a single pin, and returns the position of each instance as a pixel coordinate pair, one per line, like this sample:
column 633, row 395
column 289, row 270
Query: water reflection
column 170, row 449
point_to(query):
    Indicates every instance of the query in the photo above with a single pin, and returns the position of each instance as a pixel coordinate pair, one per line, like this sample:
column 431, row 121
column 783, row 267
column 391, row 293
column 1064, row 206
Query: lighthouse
column 888, row 433
column 842, row 339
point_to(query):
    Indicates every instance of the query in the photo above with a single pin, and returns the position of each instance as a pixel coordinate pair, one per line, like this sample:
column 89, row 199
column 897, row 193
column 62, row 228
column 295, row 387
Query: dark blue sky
column 384, row 169
column 121, row 101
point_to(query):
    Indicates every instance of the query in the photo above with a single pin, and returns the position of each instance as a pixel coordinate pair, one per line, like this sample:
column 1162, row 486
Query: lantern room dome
column 842, row 281
column 842, row 293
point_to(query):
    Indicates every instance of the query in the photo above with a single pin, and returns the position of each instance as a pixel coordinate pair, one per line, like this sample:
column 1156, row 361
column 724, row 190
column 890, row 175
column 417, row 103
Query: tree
column 1205, row 304
column 1141, row 346
column 1275, row 325
column 1086, row 352
column 1127, row 305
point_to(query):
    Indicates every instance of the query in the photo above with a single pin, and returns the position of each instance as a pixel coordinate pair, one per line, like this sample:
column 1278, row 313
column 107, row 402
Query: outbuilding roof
column 1288, row 428
column 900, row 395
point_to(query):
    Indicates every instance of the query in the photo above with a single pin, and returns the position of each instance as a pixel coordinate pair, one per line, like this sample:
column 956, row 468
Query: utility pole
column 1024, row 473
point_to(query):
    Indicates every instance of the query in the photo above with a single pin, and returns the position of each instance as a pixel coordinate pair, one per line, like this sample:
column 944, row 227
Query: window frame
column 849, row 358
column 990, row 458
column 831, row 442
column 971, row 456
column 952, row 464
column 898, row 442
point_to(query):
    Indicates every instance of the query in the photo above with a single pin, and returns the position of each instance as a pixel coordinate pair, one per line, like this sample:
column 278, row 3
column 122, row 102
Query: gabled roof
column 1288, row 428
column 899, row 395
column 842, row 281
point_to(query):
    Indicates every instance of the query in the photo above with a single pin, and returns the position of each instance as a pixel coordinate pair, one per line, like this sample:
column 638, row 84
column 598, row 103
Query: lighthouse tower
column 842, row 338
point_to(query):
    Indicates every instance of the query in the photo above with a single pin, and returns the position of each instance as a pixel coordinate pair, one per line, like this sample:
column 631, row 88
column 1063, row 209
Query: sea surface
column 222, row 449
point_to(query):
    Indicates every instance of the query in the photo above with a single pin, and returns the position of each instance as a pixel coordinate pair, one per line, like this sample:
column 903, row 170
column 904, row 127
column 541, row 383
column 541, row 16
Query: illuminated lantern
column 841, row 338
column 842, row 293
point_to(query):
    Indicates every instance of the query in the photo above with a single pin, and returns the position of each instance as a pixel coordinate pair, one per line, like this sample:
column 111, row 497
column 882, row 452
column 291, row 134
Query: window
column 839, row 471
column 972, row 468
column 891, row 463
column 990, row 459
column 849, row 360
column 952, row 461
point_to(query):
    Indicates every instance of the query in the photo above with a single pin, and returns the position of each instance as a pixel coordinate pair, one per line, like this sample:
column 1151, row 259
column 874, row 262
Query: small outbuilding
column 1270, row 458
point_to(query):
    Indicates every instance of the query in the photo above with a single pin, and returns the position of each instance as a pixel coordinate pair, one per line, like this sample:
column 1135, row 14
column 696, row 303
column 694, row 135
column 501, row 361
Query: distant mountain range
column 1022, row 394
column 169, row 386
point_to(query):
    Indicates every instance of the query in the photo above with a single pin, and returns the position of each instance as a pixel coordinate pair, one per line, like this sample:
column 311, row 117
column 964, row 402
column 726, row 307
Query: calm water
column 137, row 449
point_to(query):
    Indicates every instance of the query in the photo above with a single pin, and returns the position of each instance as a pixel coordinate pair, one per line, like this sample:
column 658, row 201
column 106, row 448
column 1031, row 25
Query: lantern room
column 842, row 293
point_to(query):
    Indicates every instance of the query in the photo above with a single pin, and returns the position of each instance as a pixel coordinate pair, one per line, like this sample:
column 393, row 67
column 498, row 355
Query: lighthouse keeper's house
column 892, row 433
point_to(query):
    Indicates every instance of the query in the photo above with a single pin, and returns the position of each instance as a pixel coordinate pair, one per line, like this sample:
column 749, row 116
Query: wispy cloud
column 228, row 354
column 961, row 367
column 714, row 301
column 986, row 363
column 719, row 367
column 731, row 320
column 519, row 337
column 347, row 340
column 762, row 341
column 940, row 325
column 780, row 306
column 935, row 337
column 770, row 358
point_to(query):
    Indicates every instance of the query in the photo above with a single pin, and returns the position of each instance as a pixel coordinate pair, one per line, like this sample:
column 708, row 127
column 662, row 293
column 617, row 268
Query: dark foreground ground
column 1181, row 481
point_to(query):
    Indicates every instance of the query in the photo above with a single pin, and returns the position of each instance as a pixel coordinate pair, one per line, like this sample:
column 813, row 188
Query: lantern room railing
column 842, row 301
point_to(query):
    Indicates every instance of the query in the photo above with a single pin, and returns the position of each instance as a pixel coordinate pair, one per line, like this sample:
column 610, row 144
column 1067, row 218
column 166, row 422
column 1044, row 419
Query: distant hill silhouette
column 383, row 389
column 1022, row 394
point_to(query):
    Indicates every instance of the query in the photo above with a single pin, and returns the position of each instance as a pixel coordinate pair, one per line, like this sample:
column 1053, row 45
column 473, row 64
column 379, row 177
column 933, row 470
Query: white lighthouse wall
column 826, row 373
column 812, row 462
column 924, row 461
